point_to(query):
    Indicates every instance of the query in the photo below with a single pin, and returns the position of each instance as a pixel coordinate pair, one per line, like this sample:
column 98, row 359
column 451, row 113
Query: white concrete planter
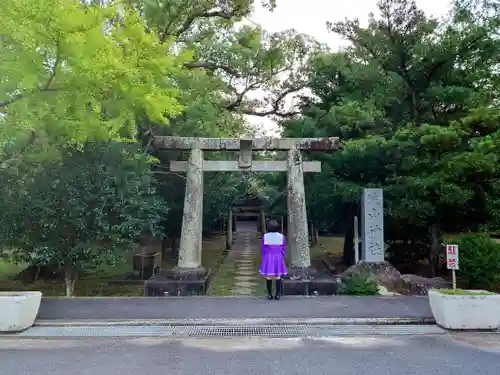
column 18, row 310
column 470, row 311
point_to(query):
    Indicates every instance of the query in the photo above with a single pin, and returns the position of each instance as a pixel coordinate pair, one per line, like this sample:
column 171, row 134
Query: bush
column 84, row 209
column 479, row 260
column 359, row 286
column 462, row 292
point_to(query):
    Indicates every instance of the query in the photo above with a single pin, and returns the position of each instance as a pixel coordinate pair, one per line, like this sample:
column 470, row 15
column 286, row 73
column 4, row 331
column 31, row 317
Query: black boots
column 278, row 289
column 269, row 285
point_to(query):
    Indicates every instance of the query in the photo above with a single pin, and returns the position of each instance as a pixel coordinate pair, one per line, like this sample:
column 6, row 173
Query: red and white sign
column 452, row 257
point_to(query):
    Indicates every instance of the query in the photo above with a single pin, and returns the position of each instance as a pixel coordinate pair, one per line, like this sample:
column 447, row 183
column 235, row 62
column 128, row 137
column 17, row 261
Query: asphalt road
column 234, row 307
column 401, row 355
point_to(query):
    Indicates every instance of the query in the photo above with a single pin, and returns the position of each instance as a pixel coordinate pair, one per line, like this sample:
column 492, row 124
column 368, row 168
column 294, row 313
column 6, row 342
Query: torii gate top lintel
column 235, row 144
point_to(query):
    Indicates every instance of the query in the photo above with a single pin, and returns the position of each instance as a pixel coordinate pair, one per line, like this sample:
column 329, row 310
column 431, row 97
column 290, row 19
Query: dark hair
column 273, row 226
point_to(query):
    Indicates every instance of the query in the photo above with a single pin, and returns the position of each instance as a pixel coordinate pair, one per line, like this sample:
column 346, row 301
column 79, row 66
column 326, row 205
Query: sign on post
column 452, row 261
column 452, row 257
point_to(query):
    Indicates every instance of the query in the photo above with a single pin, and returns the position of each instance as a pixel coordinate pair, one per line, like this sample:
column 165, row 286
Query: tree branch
column 440, row 63
column 275, row 108
column 191, row 19
column 207, row 14
column 213, row 67
column 257, row 84
column 45, row 88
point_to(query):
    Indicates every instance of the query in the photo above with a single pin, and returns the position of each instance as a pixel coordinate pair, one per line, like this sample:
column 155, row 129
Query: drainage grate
column 231, row 331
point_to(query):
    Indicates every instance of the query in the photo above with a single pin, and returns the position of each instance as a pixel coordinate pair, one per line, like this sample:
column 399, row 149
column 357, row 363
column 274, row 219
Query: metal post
column 356, row 241
column 230, row 230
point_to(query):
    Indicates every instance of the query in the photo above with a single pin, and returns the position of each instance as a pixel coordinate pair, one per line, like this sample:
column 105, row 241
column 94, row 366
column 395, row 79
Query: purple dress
column 273, row 255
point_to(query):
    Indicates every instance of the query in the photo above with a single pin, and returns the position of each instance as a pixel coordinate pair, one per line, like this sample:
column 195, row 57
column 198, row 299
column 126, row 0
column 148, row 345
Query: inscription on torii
column 245, row 159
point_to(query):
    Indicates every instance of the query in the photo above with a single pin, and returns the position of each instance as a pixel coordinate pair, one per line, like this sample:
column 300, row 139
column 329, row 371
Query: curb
column 234, row 322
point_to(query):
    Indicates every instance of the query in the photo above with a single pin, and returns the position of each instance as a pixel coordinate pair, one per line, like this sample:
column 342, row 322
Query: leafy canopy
column 82, row 72
column 82, row 210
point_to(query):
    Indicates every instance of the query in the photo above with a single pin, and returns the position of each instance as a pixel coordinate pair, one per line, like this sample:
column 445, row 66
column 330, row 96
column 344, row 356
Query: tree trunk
column 313, row 234
column 37, row 273
column 70, row 276
column 174, row 246
column 164, row 248
column 348, row 252
column 434, row 249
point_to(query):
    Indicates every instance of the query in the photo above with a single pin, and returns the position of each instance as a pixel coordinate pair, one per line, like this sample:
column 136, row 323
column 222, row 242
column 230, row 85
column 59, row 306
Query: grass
column 330, row 245
column 223, row 283
column 98, row 283
column 464, row 292
column 9, row 269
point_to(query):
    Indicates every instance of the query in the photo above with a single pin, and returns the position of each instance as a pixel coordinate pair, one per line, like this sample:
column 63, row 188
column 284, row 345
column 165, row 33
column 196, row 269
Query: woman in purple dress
column 273, row 258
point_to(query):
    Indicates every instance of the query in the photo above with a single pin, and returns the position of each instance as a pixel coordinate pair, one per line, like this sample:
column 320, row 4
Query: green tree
column 82, row 72
column 230, row 61
column 81, row 210
column 404, row 98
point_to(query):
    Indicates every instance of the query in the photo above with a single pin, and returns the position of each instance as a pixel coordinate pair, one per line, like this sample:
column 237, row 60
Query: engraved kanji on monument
column 372, row 226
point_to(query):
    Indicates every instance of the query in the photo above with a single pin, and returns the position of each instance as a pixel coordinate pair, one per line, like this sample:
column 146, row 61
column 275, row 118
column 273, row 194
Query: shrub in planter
column 479, row 260
column 357, row 285
column 465, row 309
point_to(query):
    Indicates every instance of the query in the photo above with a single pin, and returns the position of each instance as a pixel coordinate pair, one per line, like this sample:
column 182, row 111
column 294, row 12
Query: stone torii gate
column 191, row 235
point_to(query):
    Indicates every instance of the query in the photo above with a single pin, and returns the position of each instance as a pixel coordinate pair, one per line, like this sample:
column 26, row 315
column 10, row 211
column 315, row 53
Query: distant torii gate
column 191, row 235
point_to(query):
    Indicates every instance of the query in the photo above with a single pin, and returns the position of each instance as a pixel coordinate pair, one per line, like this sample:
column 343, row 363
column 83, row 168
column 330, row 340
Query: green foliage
column 358, row 285
column 462, row 292
column 222, row 190
column 84, row 209
column 415, row 101
column 227, row 63
column 479, row 260
column 82, row 72
column 226, row 188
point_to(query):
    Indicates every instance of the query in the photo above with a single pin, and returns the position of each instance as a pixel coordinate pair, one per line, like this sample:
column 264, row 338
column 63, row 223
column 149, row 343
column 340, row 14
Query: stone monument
column 372, row 226
column 189, row 277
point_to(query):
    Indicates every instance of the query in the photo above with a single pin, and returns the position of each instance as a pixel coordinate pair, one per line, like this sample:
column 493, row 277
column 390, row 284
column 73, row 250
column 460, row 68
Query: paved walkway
column 390, row 355
column 234, row 308
column 243, row 254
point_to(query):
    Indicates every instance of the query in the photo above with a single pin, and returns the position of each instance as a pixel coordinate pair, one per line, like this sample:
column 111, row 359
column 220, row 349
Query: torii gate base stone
column 189, row 277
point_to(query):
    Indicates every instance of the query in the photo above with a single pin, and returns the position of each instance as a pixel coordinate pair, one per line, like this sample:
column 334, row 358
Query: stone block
column 324, row 285
column 18, row 310
column 321, row 286
column 146, row 265
column 466, row 311
column 383, row 273
column 307, row 281
column 415, row 285
column 178, row 282
column 295, row 287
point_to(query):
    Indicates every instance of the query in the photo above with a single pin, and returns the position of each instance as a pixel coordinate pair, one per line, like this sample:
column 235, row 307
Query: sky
column 310, row 17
